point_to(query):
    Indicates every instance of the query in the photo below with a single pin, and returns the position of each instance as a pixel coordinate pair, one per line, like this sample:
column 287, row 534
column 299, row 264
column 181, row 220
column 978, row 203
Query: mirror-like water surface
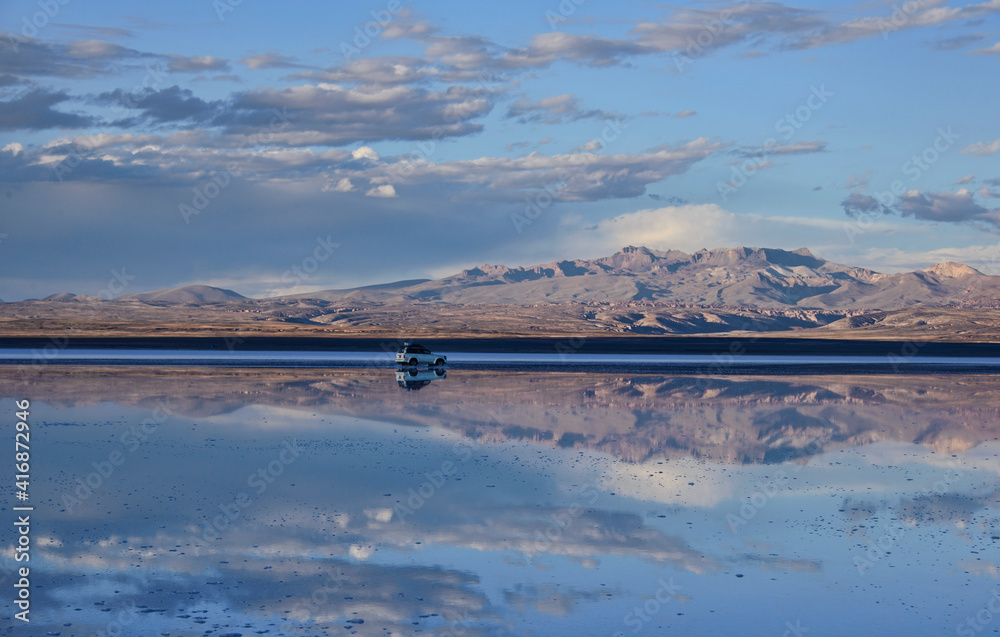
column 371, row 502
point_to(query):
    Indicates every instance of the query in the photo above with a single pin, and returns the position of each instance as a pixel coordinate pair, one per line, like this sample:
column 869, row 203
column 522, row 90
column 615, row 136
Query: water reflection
column 312, row 502
column 632, row 417
column 413, row 379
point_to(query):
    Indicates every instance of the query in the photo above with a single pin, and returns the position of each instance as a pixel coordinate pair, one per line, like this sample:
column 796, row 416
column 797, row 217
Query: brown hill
column 635, row 291
column 187, row 295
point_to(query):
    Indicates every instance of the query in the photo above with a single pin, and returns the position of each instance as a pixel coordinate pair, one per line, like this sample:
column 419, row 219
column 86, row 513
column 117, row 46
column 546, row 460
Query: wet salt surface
column 243, row 517
column 685, row 363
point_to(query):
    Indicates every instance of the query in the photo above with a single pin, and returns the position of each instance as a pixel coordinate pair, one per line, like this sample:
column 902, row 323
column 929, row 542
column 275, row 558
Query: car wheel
column 439, row 361
column 413, row 362
column 439, row 372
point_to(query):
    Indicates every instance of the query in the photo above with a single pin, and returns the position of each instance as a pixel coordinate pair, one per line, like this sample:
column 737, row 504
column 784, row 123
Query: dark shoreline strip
column 926, row 367
column 725, row 346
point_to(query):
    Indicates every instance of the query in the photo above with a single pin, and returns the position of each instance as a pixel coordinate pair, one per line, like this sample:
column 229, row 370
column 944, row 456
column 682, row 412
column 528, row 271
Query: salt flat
column 304, row 501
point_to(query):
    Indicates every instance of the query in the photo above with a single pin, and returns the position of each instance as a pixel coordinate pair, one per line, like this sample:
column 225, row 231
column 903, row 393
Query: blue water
column 42, row 356
column 304, row 501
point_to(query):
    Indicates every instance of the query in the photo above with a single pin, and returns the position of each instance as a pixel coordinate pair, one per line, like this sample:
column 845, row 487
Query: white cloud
column 359, row 552
column 696, row 226
column 95, row 49
column 686, row 228
column 365, row 152
column 552, row 110
column 588, row 176
column 344, row 185
column 182, row 64
column 270, row 61
column 991, row 50
column 982, row 149
column 385, row 190
column 985, row 258
column 395, row 69
column 956, row 207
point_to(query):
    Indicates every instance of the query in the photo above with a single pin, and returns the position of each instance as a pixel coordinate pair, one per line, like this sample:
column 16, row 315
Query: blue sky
column 221, row 142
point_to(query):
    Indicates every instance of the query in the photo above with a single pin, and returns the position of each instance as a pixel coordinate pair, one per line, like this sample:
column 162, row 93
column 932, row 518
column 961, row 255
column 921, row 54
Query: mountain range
column 759, row 277
column 634, row 291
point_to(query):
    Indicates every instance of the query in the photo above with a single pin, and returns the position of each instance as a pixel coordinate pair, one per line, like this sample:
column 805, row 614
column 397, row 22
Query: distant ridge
column 737, row 276
column 766, row 278
column 187, row 295
column 347, row 293
column 67, row 297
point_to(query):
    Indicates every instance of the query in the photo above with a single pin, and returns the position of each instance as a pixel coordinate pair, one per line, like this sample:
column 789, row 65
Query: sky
column 275, row 148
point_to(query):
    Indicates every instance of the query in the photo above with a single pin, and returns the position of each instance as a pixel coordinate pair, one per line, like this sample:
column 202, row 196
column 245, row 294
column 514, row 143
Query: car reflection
column 414, row 379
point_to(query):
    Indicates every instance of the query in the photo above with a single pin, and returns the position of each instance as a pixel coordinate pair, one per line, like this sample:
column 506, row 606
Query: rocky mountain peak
column 952, row 270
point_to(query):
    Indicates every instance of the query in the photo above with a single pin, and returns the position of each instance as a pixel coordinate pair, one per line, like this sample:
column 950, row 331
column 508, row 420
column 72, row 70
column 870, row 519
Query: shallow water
column 302, row 502
column 29, row 361
column 570, row 359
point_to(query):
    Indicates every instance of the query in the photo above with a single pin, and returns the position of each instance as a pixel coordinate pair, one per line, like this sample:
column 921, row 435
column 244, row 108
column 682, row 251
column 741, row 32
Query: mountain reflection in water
column 634, row 417
column 307, row 502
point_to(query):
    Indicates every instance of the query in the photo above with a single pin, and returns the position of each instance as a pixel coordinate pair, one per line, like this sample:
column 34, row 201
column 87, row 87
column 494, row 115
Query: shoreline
column 752, row 344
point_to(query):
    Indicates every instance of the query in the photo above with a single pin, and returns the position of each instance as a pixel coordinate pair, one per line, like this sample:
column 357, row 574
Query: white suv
column 414, row 354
